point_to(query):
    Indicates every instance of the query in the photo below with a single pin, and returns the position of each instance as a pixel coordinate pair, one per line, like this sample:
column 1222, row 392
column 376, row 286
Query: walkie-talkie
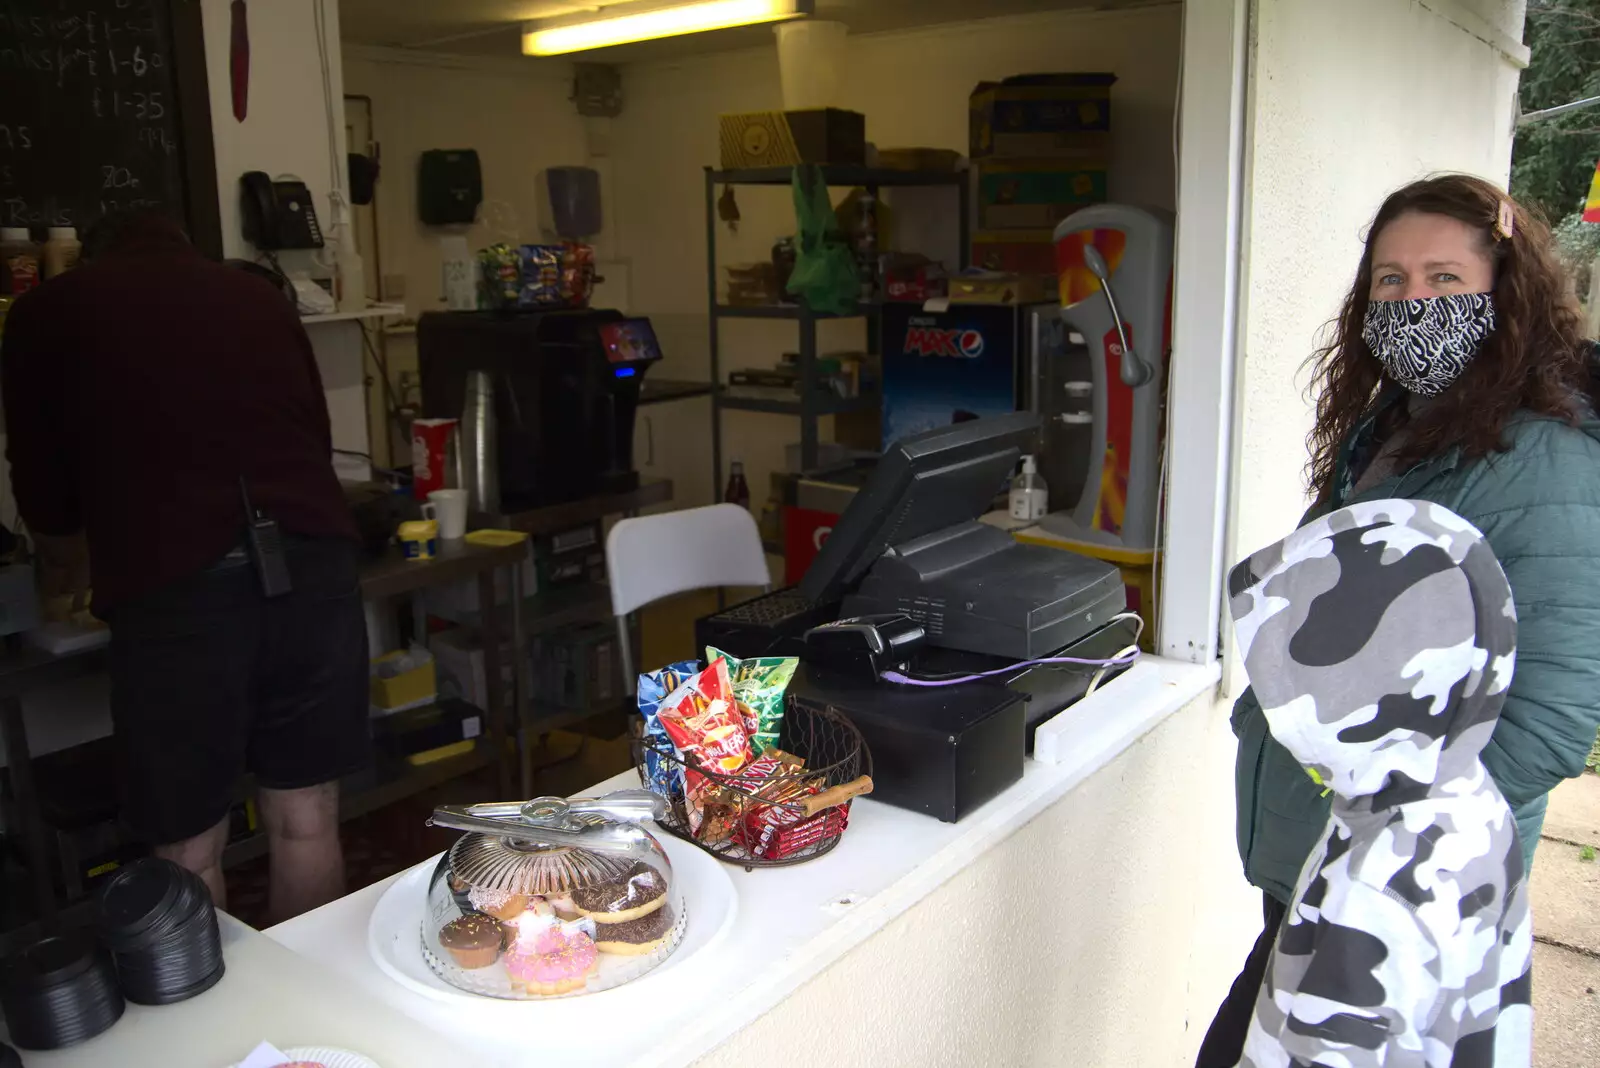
column 264, row 542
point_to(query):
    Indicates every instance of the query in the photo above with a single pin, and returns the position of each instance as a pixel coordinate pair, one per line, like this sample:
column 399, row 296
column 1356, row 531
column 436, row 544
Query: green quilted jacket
column 1539, row 506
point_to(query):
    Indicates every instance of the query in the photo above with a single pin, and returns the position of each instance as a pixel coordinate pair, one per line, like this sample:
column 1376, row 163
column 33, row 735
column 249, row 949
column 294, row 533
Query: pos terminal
column 912, row 546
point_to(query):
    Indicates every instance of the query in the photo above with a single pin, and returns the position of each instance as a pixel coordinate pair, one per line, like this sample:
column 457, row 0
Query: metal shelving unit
column 812, row 404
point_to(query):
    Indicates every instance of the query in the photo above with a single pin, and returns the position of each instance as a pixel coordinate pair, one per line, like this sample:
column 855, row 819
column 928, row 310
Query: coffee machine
column 566, row 393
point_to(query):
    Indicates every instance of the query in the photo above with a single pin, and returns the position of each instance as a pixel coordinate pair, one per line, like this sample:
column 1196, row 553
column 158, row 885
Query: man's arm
column 40, row 445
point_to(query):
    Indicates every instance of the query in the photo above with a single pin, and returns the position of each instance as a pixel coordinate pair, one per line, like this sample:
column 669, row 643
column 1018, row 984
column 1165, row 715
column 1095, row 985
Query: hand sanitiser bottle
column 1030, row 497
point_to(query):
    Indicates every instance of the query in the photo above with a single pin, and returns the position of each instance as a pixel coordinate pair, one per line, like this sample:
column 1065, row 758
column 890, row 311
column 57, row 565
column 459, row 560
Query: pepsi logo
column 971, row 343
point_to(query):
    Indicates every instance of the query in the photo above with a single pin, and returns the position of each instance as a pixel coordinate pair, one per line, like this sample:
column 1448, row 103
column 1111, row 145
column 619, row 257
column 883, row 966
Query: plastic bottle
column 738, row 491
column 19, row 261
column 61, row 252
column 1030, row 497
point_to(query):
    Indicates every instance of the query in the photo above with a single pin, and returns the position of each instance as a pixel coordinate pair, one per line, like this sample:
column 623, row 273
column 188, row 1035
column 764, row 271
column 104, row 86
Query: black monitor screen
column 630, row 341
column 924, row 483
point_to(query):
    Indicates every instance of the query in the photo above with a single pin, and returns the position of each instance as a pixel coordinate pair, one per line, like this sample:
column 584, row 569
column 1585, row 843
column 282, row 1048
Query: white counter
column 267, row 994
column 791, row 923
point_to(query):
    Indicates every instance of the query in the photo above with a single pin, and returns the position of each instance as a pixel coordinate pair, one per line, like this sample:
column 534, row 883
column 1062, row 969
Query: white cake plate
column 394, row 934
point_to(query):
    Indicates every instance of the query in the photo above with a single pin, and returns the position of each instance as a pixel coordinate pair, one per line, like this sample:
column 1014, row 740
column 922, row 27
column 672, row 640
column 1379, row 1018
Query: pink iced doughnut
column 557, row 964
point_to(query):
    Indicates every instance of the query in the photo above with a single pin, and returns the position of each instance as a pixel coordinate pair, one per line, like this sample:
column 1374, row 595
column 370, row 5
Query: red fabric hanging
column 239, row 61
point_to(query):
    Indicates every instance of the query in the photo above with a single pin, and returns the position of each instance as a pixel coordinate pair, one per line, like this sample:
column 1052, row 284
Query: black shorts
column 210, row 680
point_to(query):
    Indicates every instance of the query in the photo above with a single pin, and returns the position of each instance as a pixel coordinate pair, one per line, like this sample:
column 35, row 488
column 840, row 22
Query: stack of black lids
column 59, row 991
column 158, row 944
column 158, row 921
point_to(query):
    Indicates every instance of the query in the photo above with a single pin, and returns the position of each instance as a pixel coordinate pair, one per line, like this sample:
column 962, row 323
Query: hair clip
column 1505, row 222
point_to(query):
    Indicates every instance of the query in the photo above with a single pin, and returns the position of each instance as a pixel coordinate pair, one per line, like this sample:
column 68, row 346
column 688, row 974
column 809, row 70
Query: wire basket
column 835, row 755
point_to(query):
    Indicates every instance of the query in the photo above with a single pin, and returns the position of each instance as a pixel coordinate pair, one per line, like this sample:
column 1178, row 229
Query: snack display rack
column 785, row 816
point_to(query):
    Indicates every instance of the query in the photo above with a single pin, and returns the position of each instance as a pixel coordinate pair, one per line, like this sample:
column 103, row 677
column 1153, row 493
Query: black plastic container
column 158, row 921
column 941, row 751
column 58, row 992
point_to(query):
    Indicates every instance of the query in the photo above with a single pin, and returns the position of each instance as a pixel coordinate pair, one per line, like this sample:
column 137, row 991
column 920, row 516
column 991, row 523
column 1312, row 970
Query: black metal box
column 939, row 751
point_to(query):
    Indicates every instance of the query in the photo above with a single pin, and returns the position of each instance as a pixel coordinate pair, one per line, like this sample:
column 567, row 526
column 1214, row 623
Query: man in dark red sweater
column 141, row 390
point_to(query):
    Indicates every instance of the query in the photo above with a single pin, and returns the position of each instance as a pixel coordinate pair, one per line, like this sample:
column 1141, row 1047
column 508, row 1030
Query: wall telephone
column 277, row 214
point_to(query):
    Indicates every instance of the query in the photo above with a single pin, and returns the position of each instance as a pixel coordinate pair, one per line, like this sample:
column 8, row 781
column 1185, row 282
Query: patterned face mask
column 1424, row 343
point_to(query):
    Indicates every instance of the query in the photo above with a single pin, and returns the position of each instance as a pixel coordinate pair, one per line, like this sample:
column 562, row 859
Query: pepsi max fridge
column 976, row 360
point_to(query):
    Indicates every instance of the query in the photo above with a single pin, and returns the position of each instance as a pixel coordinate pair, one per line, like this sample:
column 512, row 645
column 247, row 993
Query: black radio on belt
column 264, row 542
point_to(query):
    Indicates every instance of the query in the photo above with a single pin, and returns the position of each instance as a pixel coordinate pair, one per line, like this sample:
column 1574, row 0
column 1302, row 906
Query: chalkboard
column 104, row 106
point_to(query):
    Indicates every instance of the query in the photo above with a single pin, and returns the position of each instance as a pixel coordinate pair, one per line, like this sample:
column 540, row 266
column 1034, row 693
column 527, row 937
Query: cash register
column 912, row 543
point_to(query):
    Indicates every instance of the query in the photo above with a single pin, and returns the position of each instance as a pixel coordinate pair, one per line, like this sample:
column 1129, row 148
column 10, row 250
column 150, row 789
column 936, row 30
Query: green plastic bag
column 824, row 274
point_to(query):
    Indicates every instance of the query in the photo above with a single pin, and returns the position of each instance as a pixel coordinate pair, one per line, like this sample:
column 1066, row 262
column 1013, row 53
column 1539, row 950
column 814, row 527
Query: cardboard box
column 1001, row 288
column 1061, row 116
column 1035, row 194
column 579, row 668
column 418, row 686
column 459, row 656
column 418, row 730
column 915, row 283
column 786, row 138
column 1015, row 251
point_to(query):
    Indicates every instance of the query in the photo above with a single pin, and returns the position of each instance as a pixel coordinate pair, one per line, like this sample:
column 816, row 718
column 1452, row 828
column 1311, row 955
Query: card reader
column 864, row 647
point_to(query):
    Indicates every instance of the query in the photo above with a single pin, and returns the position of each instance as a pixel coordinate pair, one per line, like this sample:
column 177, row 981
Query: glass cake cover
column 551, row 897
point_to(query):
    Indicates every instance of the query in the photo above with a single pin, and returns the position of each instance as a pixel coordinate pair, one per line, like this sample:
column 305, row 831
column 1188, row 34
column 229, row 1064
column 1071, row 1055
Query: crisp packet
column 758, row 686
column 499, row 275
column 707, row 731
column 661, row 775
column 541, row 276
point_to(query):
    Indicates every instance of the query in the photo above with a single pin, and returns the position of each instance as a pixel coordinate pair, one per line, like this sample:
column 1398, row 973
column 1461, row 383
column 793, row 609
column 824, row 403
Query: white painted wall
column 1104, row 932
column 286, row 132
column 514, row 112
column 913, row 87
column 1350, row 101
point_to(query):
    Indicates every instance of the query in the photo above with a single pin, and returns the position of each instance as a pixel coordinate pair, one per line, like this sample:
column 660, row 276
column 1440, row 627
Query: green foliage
column 1554, row 159
column 1586, row 854
column 1578, row 244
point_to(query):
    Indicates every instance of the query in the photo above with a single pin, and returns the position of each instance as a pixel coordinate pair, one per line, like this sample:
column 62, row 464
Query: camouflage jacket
column 1381, row 639
column 1538, row 504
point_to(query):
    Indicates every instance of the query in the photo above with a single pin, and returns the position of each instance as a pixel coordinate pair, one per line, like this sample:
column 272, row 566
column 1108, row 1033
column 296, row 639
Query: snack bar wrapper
column 661, row 775
column 707, row 731
column 777, row 841
column 758, row 687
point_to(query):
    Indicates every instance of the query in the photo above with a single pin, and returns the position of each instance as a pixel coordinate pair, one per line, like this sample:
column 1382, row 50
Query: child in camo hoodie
column 1381, row 640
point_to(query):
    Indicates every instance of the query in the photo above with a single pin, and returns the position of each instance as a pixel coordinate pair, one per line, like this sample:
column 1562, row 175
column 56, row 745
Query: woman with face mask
column 1457, row 373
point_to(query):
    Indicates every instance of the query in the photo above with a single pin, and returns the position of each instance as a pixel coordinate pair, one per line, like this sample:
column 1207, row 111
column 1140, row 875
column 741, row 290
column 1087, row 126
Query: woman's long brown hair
column 1536, row 359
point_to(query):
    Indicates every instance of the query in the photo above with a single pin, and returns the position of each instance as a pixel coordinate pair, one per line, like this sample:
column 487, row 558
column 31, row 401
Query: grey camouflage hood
column 1381, row 640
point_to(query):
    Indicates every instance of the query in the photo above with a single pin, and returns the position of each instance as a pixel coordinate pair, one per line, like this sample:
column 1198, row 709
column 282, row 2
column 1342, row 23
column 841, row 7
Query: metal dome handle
column 460, row 818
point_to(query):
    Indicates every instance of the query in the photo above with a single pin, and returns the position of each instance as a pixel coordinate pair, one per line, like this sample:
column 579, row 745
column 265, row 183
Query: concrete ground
column 1566, row 924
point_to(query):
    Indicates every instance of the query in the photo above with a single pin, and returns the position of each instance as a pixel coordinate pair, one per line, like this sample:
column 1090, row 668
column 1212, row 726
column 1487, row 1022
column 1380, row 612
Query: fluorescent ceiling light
column 602, row 30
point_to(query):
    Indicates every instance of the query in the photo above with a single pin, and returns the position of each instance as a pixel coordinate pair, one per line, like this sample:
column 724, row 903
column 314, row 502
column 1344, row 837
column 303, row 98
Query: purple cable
column 907, row 680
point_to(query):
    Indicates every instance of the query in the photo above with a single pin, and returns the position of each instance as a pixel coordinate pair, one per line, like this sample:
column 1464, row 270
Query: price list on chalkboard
column 89, row 111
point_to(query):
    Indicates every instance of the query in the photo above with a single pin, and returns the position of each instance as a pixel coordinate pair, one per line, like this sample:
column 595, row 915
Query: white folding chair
column 656, row 556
